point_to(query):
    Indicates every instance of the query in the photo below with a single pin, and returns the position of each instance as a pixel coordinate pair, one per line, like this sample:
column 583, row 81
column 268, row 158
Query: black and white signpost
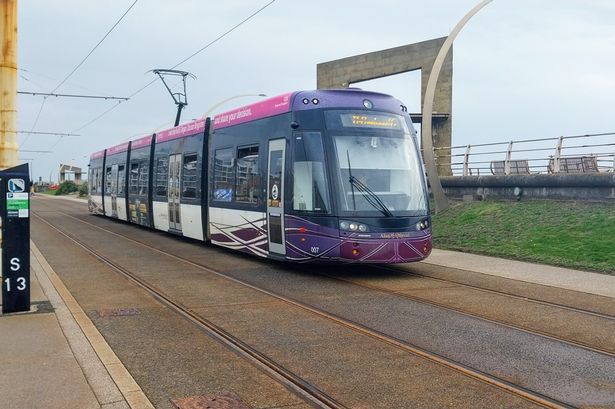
column 15, row 238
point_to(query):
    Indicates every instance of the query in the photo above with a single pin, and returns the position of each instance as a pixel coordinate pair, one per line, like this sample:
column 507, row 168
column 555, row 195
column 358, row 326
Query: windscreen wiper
column 354, row 203
column 371, row 198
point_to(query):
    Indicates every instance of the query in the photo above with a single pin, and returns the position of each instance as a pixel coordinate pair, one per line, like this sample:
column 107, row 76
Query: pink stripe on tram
column 263, row 109
column 97, row 155
column 180, row 131
column 117, row 149
column 142, row 142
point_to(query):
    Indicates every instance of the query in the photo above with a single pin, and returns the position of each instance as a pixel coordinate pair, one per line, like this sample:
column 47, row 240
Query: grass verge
column 577, row 235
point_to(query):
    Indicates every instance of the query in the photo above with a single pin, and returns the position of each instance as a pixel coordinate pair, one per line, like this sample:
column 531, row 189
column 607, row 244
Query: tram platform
column 54, row 357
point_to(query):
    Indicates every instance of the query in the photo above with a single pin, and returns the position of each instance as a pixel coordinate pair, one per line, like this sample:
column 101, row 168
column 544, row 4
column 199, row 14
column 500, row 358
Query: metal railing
column 531, row 156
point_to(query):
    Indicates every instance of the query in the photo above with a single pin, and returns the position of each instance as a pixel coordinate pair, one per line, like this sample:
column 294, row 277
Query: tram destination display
column 363, row 120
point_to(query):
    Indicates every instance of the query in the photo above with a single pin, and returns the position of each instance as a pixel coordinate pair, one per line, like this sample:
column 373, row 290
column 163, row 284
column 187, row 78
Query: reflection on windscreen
column 388, row 166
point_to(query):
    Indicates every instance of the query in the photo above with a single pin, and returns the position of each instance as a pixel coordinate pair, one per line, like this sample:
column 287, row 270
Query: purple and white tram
column 326, row 175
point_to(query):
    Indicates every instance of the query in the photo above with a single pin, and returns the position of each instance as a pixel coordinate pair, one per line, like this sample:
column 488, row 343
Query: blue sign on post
column 15, row 239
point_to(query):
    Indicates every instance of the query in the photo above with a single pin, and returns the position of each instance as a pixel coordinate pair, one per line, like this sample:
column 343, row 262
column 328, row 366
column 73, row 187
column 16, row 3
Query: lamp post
column 9, row 149
column 211, row 109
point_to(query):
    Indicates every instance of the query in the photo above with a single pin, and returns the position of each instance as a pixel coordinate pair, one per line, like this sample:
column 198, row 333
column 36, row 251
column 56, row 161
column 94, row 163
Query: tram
column 307, row 176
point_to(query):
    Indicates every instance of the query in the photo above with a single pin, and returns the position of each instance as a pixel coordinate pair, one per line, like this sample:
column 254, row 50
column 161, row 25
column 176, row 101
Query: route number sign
column 15, row 239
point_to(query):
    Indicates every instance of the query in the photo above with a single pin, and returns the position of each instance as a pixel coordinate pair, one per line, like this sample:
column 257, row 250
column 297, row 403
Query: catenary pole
column 9, row 149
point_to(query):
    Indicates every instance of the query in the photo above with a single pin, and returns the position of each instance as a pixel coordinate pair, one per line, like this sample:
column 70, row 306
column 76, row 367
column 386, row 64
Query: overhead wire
column 54, row 80
column 95, row 47
column 38, row 116
column 138, row 91
column 75, row 69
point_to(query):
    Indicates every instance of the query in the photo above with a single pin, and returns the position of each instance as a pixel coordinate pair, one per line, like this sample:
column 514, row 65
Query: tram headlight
column 353, row 226
column 422, row 225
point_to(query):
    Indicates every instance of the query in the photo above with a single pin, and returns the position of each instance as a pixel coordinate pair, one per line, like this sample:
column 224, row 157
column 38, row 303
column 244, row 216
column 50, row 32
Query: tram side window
column 247, row 185
column 310, row 190
column 134, row 178
column 92, row 180
column 99, row 174
column 189, row 176
column 162, row 173
column 143, row 178
column 121, row 180
column 109, row 179
column 223, row 175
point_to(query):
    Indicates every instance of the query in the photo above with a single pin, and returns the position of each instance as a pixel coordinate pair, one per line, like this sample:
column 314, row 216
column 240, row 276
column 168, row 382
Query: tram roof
column 305, row 100
column 97, row 155
column 295, row 101
column 122, row 147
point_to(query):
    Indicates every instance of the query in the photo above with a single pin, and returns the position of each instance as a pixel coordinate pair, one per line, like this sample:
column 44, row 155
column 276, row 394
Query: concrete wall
column 596, row 187
column 347, row 71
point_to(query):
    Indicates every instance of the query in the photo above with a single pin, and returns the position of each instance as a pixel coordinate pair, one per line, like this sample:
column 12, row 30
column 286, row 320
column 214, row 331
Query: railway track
column 575, row 343
column 292, row 381
column 281, row 374
column 502, row 293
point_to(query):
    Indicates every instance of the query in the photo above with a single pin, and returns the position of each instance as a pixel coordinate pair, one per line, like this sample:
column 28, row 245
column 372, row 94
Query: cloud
column 520, row 67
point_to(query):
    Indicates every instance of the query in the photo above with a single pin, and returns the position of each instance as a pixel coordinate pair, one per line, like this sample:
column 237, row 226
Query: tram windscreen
column 386, row 164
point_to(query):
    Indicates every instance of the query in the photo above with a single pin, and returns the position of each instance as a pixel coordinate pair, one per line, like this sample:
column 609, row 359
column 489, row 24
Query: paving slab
column 584, row 281
column 46, row 358
column 39, row 369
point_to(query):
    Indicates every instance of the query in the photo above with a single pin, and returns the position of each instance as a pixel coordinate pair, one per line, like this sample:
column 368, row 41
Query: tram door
column 175, row 167
column 114, row 189
column 275, row 196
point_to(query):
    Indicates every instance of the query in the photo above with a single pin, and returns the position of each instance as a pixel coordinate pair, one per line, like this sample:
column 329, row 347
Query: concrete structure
column 591, row 186
column 67, row 170
column 419, row 56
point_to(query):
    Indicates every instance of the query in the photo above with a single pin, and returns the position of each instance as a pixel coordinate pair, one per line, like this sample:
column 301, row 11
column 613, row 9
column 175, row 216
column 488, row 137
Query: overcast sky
column 522, row 69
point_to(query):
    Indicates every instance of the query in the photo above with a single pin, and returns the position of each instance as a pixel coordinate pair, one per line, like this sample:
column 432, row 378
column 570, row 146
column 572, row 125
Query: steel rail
column 288, row 379
column 544, row 334
column 527, row 394
column 503, row 293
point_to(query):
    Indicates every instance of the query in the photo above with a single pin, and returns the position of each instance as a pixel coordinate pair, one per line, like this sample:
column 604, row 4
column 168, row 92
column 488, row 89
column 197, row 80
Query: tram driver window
column 248, row 178
column 310, row 190
column 224, row 175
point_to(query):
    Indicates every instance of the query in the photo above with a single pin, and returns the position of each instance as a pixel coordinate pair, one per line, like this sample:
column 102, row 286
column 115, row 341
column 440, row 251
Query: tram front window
column 376, row 168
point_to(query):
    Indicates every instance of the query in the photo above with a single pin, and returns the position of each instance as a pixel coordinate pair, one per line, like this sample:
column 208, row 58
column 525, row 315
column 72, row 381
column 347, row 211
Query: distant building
column 69, row 172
